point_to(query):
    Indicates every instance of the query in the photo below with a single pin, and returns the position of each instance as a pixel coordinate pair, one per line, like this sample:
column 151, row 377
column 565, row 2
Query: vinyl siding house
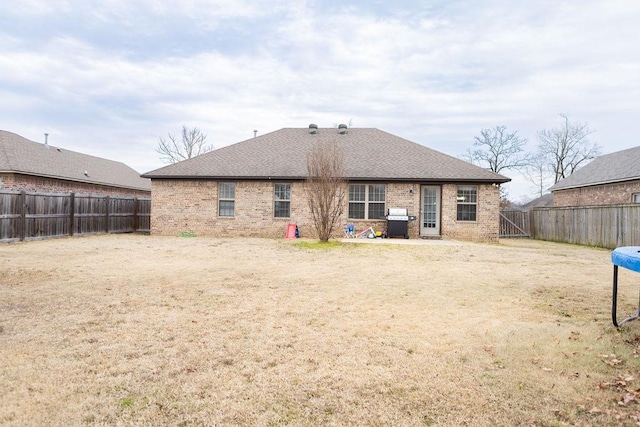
column 32, row 166
column 607, row 180
column 257, row 187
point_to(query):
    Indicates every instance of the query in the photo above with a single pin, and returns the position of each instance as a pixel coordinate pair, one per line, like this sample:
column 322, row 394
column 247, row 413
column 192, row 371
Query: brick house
column 544, row 201
column 256, row 187
column 607, row 180
column 32, row 166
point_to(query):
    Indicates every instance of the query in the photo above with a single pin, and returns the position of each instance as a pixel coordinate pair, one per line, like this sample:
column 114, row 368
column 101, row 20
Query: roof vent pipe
column 46, row 140
column 255, row 132
column 313, row 128
column 342, row 128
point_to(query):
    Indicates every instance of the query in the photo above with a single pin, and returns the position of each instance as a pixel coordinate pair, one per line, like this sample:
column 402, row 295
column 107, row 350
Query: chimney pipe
column 46, row 140
column 255, row 132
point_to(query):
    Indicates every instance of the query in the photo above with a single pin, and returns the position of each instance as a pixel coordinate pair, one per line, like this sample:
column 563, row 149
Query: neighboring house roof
column 544, row 201
column 608, row 169
column 21, row 156
column 370, row 154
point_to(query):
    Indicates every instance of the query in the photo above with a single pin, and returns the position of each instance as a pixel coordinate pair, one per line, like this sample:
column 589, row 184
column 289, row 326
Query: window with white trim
column 467, row 203
column 226, row 198
column 366, row 201
column 635, row 198
column 282, row 200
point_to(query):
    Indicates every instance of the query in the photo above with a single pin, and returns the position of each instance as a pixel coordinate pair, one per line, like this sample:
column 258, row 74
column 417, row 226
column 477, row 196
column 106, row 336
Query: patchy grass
column 144, row 330
column 308, row 244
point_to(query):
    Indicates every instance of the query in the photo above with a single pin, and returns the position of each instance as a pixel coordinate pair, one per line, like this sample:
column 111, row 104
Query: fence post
column 106, row 226
column 136, row 220
column 72, row 213
column 23, row 214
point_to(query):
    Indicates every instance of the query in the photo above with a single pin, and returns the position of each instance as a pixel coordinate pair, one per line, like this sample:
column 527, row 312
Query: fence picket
column 607, row 226
column 514, row 223
column 33, row 215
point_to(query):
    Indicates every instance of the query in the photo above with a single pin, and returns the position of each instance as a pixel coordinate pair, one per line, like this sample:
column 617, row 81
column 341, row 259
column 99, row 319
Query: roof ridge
column 370, row 154
column 619, row 166
column 61, row 148
column 33, row 158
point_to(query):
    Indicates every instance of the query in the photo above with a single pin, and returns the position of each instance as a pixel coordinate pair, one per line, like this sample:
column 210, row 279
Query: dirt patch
column 132, row 329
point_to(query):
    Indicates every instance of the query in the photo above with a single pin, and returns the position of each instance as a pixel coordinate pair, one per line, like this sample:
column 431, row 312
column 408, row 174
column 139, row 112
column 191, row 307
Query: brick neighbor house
column 607, row 180
column 256, row 187
column 32, row 166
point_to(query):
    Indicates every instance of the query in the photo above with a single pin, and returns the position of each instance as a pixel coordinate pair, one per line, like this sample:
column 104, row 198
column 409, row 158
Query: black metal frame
column 614, row 307
column 398, row 228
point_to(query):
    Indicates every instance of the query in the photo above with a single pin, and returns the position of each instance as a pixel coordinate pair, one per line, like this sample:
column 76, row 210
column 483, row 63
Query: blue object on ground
column 629, row 258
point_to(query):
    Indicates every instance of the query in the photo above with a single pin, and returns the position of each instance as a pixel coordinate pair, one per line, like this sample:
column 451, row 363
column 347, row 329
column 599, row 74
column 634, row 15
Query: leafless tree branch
column 538, row 173
column 325, row 187
column 567, row 148
column 498, row 149
column 192, row 143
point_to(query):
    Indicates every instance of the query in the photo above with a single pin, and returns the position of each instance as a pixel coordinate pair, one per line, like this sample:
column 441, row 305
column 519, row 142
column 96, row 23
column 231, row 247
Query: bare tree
column 191, row 144
column 538, row 173
column 566, row 148
column 325, row 187
column 498, row 149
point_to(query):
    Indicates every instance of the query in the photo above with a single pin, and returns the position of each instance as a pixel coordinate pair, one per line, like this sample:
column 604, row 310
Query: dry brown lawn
column 143, row 330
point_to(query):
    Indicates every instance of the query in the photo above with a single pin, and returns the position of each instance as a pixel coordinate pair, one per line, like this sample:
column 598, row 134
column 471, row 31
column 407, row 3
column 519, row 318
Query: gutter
column 593, row 184
column 75, row 180
column 304, row 178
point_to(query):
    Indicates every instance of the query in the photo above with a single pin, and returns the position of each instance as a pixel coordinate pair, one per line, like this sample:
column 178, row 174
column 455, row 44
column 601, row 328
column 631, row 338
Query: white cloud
column 117, row 75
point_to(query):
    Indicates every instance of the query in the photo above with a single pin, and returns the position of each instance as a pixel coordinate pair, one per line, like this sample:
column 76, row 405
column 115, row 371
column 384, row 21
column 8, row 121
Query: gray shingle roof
column 611, row 168
column 544, row 201
column 20, row 155
column 370, row 154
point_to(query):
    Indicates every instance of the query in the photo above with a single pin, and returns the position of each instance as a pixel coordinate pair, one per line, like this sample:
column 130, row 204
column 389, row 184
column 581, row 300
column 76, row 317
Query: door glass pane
column 429, row 208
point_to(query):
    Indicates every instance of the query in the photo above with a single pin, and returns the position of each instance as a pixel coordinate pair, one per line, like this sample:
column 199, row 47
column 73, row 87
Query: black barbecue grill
column 398, row 222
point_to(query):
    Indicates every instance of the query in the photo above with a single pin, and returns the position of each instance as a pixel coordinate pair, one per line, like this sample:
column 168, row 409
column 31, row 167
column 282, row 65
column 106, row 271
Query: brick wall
column 485, row 229
column 610, row 194
column 49, row 185
column 183, row 206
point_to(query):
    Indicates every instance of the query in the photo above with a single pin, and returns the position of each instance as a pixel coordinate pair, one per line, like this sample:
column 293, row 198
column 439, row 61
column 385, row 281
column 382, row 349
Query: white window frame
column 280, row 198
column 367, row 202
column 224, row 197
column 467, row 196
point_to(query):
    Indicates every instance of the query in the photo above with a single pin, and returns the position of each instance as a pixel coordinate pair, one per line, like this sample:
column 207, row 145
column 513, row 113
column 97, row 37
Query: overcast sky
column 109, row 78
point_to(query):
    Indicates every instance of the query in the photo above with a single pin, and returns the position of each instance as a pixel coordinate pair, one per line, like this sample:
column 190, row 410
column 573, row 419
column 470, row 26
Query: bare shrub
column 325, row 187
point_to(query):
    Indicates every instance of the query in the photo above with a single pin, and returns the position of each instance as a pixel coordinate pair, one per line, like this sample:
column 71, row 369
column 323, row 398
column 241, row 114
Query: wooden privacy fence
column 26, row 215
column 514, row 223
column 604, row 226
